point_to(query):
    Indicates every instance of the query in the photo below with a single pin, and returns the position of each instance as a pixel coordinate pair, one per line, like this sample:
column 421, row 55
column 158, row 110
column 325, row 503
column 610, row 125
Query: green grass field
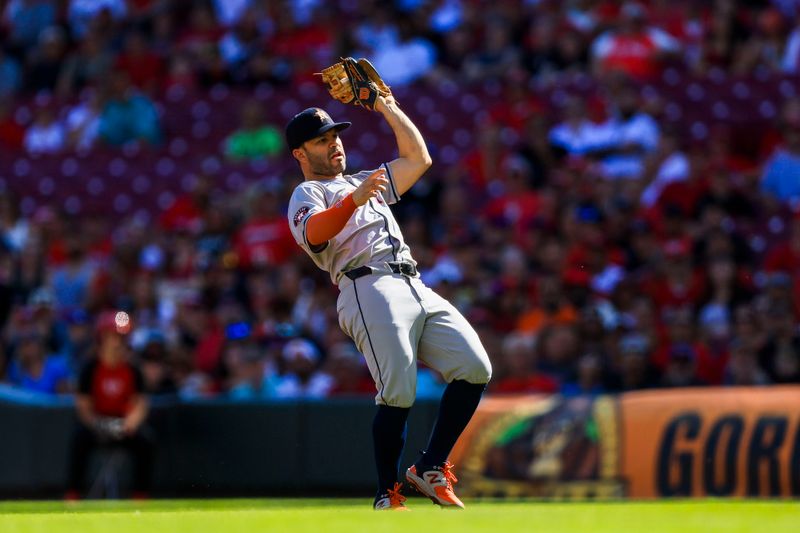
column 348, row 515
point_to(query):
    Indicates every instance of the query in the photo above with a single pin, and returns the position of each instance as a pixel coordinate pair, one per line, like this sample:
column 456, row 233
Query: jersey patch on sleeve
column 298, row 217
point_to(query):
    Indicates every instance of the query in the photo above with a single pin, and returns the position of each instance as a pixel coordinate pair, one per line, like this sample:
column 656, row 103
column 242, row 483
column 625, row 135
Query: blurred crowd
column 594, row 247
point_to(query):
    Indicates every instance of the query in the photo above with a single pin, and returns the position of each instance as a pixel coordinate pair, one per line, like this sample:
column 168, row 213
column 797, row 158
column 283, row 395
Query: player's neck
column 311, row 176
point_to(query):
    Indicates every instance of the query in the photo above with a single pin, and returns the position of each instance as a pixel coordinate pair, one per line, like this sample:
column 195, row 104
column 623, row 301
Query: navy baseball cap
column 308, row 124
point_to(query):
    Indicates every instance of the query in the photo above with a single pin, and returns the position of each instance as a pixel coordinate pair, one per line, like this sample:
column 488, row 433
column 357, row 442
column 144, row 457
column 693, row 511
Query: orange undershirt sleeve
column 325, row 225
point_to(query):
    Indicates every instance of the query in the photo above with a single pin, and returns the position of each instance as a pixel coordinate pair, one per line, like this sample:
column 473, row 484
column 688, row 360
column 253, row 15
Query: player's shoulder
column 308, row 188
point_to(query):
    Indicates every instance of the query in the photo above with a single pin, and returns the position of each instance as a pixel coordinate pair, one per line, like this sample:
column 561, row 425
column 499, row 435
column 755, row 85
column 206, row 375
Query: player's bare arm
column 414, row 158
column 83, row 405
column 137, row 414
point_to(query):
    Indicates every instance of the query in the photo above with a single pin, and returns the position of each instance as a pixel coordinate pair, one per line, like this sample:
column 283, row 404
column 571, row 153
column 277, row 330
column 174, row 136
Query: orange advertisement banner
column 740, row 442
column 731, row 442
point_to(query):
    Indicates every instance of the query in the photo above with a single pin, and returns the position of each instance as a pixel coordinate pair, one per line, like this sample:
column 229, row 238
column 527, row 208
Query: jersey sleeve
column 306, row 200
column 390, row 195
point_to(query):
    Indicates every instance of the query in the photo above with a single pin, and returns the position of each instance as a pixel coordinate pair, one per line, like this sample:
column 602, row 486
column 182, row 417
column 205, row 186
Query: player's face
column 326, row 154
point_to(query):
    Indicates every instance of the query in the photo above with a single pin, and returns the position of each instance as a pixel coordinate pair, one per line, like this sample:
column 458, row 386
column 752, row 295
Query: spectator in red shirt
column 11, row 132
column 265, row 238
column 111, row 407
column 678, row 284
column 144, row 67
column 186, row 212
column 519, row 372
column 634, row 48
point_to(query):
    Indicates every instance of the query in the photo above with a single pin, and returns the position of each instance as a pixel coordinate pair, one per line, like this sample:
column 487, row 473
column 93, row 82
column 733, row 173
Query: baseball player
column 344, row 224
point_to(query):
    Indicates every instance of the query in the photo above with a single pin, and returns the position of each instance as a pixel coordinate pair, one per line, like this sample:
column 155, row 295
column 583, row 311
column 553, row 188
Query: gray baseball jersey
column 394, row 319
column 371, row 235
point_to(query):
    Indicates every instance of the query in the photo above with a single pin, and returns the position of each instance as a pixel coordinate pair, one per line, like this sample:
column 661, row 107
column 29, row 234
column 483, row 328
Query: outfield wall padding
column 217, row 447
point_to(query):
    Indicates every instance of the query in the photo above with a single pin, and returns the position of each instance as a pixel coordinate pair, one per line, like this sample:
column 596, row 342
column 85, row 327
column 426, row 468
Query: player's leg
column 382, row 316
column 141, row 446
column 83, row 441
column 451, row 346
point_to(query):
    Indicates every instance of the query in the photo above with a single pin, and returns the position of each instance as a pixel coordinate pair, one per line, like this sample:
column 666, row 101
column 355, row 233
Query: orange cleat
column 436, row 484
column 392, row 500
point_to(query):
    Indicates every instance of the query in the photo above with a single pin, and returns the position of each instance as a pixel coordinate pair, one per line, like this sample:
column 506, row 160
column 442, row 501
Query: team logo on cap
column 321, row 114
column 298, row 217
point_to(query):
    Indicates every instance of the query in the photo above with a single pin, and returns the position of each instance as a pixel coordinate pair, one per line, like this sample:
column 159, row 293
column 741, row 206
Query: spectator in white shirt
column 628, row 137
column 577, row 135
column 302, row 378
column 46, row 135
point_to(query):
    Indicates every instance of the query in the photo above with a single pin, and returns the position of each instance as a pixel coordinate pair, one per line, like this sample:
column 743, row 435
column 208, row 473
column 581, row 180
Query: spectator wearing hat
column 243, row 363
column 111, row 406
column 301, row 377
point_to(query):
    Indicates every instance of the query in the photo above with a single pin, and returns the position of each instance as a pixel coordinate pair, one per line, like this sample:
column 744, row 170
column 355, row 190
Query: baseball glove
column 355, row 82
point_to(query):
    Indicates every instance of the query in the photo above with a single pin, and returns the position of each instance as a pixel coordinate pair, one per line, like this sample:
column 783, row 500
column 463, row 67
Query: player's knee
column 402, row 402
column 480, row 371
column 404, row 398
column 485, row 371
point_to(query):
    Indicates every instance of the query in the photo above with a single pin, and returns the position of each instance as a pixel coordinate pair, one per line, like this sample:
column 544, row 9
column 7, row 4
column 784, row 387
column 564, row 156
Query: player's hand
column 374, row 185
column 382, row 103
column 129, row 426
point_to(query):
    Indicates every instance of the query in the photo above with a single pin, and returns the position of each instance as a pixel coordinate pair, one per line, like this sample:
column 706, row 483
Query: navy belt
column 406, row 269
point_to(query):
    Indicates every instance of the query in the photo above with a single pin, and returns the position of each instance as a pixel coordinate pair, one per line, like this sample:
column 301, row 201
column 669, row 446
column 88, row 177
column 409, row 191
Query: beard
column 323, row 166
